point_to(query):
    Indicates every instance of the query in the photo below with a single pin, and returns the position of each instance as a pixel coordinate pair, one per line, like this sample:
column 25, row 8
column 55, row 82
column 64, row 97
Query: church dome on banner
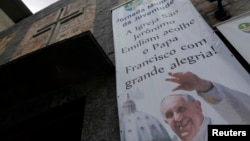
column 140, row 126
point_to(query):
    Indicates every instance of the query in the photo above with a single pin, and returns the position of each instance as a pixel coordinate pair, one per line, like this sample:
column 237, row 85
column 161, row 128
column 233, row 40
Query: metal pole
column 221, row 14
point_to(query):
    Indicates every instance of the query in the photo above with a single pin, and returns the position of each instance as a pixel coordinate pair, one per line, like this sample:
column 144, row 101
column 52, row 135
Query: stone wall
column 207, row 8
column 101, row 116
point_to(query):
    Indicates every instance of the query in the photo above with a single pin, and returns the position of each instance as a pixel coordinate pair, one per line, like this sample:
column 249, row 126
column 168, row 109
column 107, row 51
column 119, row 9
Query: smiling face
column 182, row 115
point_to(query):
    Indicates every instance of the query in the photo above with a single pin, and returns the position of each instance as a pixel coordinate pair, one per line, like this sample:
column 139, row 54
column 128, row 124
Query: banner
column 174, row 75
column 237, row 32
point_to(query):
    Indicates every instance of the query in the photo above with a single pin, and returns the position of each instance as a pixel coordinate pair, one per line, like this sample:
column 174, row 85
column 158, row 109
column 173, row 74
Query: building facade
column 58, row 70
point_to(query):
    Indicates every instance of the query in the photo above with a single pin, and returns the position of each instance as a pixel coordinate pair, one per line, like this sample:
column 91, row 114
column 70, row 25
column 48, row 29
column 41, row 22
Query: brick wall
column 101, row 116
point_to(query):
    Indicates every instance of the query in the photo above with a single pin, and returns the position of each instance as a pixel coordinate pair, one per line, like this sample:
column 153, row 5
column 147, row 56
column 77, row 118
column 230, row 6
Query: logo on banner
column 245, row 27
column 133, row 5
